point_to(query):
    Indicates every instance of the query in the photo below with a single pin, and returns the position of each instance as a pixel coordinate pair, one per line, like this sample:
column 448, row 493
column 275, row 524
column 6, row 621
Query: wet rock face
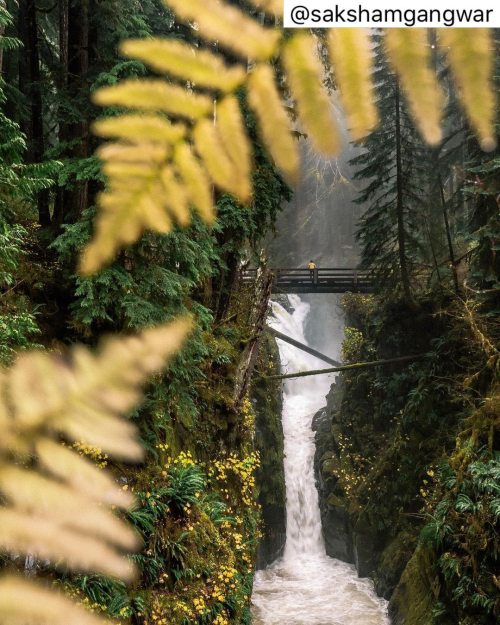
column 267, row 404
column 414, row 598
column 337, row 531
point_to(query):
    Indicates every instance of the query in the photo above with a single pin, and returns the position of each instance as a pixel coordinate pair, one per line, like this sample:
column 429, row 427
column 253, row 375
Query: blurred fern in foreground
column 58, row 506
column 179, row 138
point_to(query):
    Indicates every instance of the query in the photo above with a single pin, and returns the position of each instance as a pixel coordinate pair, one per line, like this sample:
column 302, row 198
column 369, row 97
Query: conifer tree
column 393, row 166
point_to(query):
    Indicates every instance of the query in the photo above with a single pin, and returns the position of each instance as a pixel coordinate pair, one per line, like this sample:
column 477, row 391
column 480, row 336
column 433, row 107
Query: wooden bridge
column 324, row 280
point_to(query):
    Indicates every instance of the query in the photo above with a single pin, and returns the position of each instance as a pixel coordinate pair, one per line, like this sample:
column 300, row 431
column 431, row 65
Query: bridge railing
column 320, row 277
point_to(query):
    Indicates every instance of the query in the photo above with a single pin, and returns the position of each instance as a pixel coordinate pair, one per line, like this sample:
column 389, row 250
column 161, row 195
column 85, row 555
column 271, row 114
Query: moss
column 393, row 562
column 414, row 599
column 267, row 400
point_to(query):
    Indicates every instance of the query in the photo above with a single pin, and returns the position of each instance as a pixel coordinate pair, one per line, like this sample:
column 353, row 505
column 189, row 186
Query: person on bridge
column 311, row 265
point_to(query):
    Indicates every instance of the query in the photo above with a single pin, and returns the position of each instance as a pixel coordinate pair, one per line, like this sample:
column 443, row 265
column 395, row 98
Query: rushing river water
column 306, row 587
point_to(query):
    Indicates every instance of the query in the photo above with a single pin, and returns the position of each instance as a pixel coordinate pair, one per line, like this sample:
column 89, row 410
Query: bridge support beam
column 304, row 348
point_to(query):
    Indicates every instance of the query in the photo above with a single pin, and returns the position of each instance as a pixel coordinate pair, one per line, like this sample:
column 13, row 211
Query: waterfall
column 306, row 587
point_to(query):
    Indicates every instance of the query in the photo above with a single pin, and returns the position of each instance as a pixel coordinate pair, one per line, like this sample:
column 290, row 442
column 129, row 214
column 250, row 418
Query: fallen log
column 356, row 365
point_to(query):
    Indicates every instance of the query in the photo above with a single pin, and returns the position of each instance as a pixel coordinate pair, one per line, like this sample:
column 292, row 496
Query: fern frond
column 229, row 26
column 409, row 52
column 59, row 507
column 273, row 7
column 23, row 533
column 83, row 397
column 471, row 57
column 140, row 129
column 273, row 121
column 149, row 153
column 233, row 134
column 351, row 59
column 220, row 167
column 201, row 67
column 305, row 77
column 128, row 208
column 155, row 95
column 43, row 497
column 196, row 181
column 175, row 197
column 27, row 603
column 80, row 473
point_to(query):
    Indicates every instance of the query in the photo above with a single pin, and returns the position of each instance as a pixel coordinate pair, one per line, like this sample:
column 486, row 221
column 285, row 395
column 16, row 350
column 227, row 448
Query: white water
column 306, row 587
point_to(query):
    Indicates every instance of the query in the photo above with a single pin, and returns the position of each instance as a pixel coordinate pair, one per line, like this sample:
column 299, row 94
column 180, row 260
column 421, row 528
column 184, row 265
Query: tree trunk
column 30, row 83
column 74, row 58
column 352, row 367
column 258, row 314
column 403, row 266
column 449, row 240
column 2, row 32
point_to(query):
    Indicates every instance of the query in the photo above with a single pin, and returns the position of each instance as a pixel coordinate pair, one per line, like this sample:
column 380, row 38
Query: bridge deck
column 327, row 280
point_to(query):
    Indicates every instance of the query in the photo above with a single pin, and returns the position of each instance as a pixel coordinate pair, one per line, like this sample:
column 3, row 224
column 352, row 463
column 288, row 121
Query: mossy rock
column 393, row 561
column 416, row 594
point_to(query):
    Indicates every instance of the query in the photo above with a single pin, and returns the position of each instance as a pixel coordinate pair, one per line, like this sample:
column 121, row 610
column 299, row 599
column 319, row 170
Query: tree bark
column 449, row 240
column 262, row 295
column 74, row 58
column 403, row 266
column 31, row 84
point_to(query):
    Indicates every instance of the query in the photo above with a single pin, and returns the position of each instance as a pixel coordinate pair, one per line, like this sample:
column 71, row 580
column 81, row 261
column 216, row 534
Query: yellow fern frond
column 23, row 533
column 273, row 121
column 229, row 26
column 127, row 170
column 222, row 170
column 351, row 58
column 127, row 210
column 155, row 95
column 175, row 197
column 201, row 67
column 232, row 131
column 28, row 603
column 32, row 493
column 471, row 55
column 149, row 153
column 80, row 473
column 409, row 53
column 273, row 7
column 139, row 129
column 58, row 508
column 196, row 181
column 305, row 77
column 83, row 397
